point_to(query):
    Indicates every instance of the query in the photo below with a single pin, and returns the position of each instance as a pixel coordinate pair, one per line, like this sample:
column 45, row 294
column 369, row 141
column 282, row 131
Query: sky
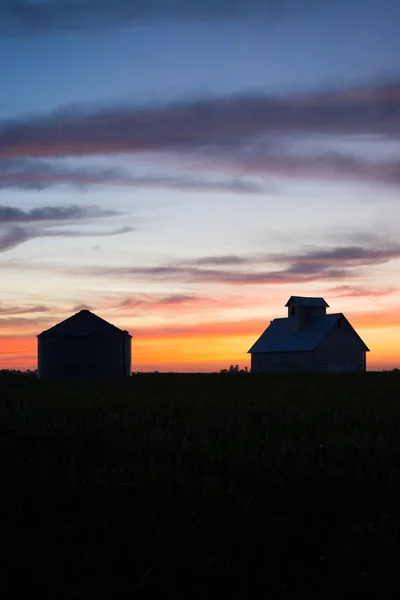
column 183, row 168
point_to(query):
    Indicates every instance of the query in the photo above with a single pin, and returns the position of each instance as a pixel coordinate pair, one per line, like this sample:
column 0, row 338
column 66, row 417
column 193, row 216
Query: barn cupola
column 302, row 310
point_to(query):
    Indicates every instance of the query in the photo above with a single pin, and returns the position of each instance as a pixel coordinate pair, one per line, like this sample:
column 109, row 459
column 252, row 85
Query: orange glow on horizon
column 213, row 346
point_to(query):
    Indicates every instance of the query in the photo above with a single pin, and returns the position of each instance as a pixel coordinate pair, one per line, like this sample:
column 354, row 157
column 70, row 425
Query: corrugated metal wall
column 281, row 362
column 84, row 356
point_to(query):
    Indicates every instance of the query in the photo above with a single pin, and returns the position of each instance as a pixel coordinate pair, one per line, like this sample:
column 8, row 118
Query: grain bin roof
column 306, row 301
column 84, row 323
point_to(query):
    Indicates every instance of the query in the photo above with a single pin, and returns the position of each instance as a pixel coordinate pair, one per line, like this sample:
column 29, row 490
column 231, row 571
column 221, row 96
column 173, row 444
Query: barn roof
column 306, row 301
column 84, row 323
column 278, row 337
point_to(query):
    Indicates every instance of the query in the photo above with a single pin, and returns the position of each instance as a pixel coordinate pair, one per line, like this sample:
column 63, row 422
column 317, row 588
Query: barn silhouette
column 308, row 340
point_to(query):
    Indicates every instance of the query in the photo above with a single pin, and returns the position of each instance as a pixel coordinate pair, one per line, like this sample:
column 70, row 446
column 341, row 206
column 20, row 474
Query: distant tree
column 234, row 369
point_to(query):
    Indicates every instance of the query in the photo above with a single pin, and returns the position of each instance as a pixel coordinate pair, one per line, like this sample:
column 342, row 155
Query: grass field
column 237, row 486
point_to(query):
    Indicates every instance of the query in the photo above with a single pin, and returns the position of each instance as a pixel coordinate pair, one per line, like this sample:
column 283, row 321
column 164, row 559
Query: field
column 237, row 486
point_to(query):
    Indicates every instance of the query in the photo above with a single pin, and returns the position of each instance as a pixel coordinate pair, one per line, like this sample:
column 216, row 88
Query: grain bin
column 84, row 345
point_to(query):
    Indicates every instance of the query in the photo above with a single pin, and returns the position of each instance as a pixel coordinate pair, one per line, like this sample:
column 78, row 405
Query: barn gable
column 351, row 333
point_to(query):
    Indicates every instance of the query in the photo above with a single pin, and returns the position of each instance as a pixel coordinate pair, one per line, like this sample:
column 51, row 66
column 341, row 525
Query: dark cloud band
column 239, row 137
column 35, row 174
column 23, row 16
column 219, row 123
column 18, row 226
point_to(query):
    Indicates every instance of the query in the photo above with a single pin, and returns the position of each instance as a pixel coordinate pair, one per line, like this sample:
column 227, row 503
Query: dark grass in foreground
column 238, row 486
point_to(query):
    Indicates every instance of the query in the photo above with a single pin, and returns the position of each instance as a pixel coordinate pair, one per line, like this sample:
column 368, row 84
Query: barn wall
column 127, row 355
column 83, row 356
column 340, row 350
column 282, row 362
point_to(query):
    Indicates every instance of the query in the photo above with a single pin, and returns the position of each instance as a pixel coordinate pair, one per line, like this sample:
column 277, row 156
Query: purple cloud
column 355, row 255
column 305, row 266
column 11, row 214
column 16, row 236
column 18, row 226
column 340, row 262
column 237, row 136
column 22, row 310
column 36, row 174
column 224, row 122
column 349, row 291
column 145, row 300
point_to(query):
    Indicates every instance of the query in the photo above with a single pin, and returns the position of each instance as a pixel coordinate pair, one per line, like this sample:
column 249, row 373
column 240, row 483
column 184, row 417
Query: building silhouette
column 84, row 345
column 308, row 340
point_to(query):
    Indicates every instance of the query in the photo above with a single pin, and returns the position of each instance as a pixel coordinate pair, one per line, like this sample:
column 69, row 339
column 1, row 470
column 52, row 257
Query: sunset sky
column 182, row 168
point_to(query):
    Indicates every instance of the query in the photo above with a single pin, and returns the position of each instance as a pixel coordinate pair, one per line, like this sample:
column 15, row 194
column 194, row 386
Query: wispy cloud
column 22, row 310
column 184, row 303
column 328, row 166
column 304, row 266
column 293, row 274
column 18, row 226
column 15, row 236
column 73, row 212
column 349, row 291
column 11, row 237
column 145, row 300
column 345, row 256
column 36, row 174
column 15, row 323
column 228, row 260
